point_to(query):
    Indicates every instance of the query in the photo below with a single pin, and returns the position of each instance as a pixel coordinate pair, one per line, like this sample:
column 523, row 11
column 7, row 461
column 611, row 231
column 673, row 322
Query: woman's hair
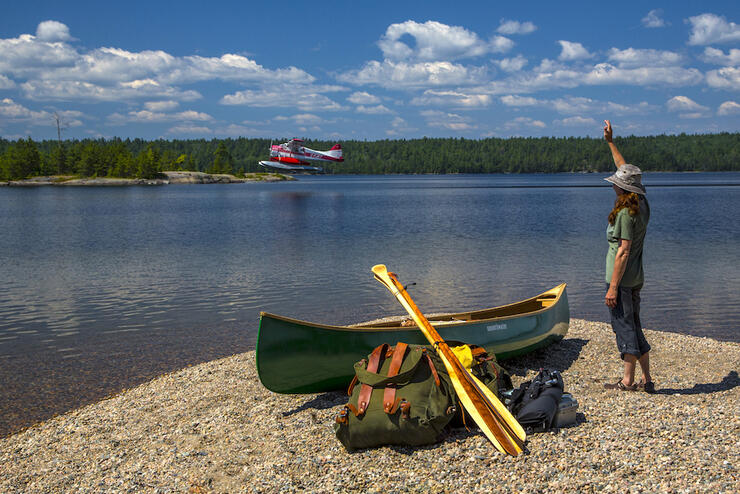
column 628, row 200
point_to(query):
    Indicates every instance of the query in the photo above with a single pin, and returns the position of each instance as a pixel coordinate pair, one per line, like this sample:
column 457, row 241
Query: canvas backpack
column 400, row 395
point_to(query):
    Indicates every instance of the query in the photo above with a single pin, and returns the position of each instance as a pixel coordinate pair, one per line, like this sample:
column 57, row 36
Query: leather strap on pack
column 405, row 407
column 479, row 353
column 342, row 418
column 352, row 386
column 363, row 400
column 390, row 404
column 431, row 366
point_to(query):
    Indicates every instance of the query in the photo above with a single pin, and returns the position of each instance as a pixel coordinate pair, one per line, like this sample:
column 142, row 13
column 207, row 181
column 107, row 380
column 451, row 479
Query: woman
column 624, row 274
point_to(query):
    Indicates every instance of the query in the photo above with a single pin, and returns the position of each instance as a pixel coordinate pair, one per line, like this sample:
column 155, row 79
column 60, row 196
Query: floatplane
column 293, row 156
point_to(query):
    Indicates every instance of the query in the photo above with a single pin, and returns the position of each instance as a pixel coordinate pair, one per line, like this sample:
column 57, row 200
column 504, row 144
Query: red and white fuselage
column 294, row 151
column 294, row 156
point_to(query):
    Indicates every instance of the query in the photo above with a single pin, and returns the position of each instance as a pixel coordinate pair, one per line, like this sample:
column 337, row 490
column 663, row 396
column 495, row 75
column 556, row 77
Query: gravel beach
column 214, row 428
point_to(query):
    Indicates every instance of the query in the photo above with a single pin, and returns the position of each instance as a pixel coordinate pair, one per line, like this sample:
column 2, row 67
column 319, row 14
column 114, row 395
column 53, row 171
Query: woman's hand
column 608, row 131
column 618, row 158
column 611, row 298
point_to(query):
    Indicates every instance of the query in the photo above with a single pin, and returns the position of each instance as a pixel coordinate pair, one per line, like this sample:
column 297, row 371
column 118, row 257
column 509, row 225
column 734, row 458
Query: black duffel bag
column 535, row 403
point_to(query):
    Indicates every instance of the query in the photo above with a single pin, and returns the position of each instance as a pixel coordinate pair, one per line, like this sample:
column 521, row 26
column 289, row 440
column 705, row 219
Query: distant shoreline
column 169, row 177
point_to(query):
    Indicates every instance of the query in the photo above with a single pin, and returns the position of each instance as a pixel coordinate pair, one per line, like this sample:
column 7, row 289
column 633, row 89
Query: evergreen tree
column 21, row 160
column 222, row 162
column 148, row 162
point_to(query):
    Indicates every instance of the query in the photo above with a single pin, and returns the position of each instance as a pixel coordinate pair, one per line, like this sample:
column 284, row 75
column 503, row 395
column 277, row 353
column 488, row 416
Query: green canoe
column 296, row 356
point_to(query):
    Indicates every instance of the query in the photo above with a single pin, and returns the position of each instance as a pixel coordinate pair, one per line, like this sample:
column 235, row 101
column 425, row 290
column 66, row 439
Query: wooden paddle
column 493, row 418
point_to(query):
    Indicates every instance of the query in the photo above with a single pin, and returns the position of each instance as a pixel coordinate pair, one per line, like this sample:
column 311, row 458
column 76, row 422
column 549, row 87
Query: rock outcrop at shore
column 214, row 428
column 168, row 177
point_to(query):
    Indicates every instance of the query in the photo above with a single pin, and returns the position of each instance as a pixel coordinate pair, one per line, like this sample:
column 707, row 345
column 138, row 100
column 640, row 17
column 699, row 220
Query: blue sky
column 368, row 70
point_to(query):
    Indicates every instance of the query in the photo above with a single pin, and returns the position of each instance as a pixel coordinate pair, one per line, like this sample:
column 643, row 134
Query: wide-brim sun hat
column 628, row 177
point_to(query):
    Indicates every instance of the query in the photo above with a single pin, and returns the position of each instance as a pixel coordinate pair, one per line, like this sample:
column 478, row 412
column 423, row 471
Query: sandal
column 620, row 386
column 648, row 387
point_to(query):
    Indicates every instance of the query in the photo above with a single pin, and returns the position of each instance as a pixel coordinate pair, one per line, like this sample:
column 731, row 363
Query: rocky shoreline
column 214, row 428
column 169, row 177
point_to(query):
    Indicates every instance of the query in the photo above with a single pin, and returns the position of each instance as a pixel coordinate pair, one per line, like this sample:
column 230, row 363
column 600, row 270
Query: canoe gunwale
column 559, row 290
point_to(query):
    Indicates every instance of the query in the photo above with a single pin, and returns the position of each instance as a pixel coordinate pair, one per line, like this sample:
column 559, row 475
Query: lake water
column 103, row 288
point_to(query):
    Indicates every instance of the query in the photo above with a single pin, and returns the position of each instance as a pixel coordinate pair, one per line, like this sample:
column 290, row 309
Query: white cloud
column 6, row 83
column 302, row 119
column 728, row 108
column 397, row 75
column 725, row 78
column 15, row 112
column 653, row 19
column 683, row 104
column 514, row 100
column 718, row 57
column 512, row 64
column 48, row 67
column 500, row 44
column 573, row 105
column 547, row 65
column 524, row 122
column 451, row 98
column 434, row 41
column 53, row 31
column 516, row 27
column 190, row 130
column 632, row 58
column 550, row 75
column 449, row 121
column 363, row 98
column 85, row 91
column 532, row 82
column 374, row 110
column 307, row 98
column 147, row 116
column 239, row 130
column 161, row 105
column 605, row 73
column 710, row 28
column 232, row 67
column 399, row 126
column 572, row 51
column 577, row 122
column 640, row 108
column 27, row 56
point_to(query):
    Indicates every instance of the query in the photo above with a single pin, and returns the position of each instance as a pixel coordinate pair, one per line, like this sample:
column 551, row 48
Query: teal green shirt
column 628, row 228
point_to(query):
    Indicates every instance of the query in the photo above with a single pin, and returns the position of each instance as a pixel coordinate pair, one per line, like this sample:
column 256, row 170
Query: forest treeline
column 139, row 158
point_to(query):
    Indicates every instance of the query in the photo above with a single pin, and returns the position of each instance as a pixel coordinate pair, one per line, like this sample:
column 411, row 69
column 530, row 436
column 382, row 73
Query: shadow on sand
column 558, row 356
column 730, row 381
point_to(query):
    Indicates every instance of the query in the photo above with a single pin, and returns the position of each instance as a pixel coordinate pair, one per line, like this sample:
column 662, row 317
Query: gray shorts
column 626, row 322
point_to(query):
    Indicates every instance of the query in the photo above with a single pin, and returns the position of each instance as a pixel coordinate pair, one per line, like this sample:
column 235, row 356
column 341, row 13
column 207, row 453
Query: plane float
column 293, row 156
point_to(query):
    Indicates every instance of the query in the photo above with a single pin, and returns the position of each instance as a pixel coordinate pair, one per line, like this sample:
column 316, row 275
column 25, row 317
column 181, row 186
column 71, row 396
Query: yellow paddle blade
column 510, row 447
column 501, row 409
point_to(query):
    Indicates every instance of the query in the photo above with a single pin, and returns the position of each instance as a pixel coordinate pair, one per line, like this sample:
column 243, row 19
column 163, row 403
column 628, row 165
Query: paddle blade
column 475, row 403
column 502, row 410
column 381, row 274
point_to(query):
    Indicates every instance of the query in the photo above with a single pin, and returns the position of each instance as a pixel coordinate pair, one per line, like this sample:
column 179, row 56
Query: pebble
column 213, row 428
